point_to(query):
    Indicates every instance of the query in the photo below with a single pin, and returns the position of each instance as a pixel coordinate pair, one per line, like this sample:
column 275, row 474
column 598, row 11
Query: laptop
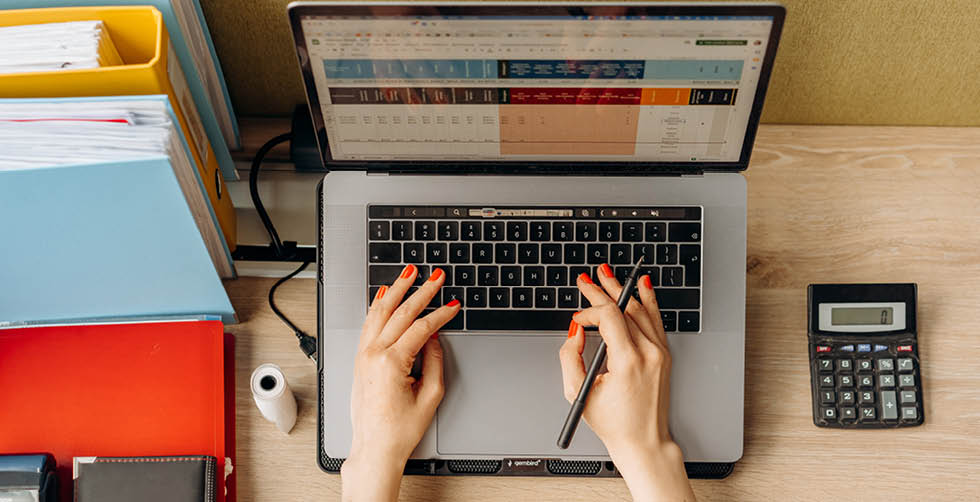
column 515, row 146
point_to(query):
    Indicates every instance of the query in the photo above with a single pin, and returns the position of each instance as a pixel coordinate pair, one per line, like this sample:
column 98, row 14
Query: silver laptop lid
column 520, row 87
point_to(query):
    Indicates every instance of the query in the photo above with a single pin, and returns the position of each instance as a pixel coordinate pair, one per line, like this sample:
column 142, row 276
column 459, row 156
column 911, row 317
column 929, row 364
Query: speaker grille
column 474, row 466
column 574, row 467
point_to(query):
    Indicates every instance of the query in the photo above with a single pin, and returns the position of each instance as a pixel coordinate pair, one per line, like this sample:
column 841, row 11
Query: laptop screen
column 626, row 86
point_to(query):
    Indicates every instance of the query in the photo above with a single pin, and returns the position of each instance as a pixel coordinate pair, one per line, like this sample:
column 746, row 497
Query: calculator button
column 844, row 364
column 827, row 397
column 904, row 348
column 909, row 413
column 905, row 364
column 823, row 348
column 886, row 381
column 866, row 381
column 880, row 348
column 846, row 397
column 829, row 413
column 848, row 413
column 865, row 365
column 867, row 414
column 906, row 380
column 827, row 381
column 867, row 397
column 886, row 365
column 864, row 347
column 845, row 381
column 847, row 348
column 908, row 396
column 825, row 365
column 889, row 407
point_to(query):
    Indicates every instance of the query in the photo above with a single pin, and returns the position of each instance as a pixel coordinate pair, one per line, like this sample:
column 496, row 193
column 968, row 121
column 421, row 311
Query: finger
column 411, row 342
column 431, row 387
column 385, row 303
column 611, row 284
column 649, row 301
column 409, row 310
column 572, row 365
column 593, row 293
column 613, row 329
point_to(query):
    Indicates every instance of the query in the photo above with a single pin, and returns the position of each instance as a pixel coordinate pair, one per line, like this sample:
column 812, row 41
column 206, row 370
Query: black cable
column 307, row 343
column 253, row 188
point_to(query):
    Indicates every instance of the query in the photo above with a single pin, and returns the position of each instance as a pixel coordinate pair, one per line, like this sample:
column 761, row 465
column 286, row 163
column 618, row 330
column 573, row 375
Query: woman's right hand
column 628, row 405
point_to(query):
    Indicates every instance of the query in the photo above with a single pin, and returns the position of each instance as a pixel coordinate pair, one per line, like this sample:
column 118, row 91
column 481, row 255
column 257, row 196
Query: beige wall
column 896, row 62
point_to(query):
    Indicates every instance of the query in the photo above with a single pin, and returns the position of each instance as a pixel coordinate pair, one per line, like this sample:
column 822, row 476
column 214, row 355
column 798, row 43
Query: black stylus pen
column 575, row 412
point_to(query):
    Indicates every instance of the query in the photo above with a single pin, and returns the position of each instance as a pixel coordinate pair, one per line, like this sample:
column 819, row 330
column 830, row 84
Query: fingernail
column 572, row 329
column 408, row 271
column 381, row 292
column 646, row 282
column 585, row 278
column 453, row 303
column 436, row 274
column 606, row 271
column 575, row 314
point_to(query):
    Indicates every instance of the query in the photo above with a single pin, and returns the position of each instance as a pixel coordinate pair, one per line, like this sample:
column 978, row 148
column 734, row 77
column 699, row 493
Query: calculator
column 864, row 359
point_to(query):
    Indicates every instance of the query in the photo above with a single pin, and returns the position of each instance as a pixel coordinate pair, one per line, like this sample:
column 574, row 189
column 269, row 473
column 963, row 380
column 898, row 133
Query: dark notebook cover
column 145, row 479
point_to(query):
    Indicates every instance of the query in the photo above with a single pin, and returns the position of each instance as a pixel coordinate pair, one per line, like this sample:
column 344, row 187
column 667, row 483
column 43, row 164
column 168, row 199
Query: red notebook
column 141, row 389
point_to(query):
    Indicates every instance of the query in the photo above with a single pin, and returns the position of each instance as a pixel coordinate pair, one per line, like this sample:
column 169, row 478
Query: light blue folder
column 182, row 49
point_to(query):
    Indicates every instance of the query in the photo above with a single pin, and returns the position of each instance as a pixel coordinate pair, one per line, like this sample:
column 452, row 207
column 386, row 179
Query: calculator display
column 843, row 316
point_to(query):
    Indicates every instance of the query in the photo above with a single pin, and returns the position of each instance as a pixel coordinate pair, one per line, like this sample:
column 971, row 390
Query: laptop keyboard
column 514, row 268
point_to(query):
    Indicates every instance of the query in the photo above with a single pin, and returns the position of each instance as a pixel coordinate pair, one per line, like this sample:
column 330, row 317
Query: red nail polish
column 408, row 271
column 646, row 282
column 606, row 271
column 436, row 274
column 381, row 292
column 585, row 278
column 575, row 314
column 453, row 303
column 572, row 329
column 435, row 335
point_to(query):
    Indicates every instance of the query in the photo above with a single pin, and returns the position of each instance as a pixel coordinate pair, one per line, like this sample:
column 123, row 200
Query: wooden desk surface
column 826, row 204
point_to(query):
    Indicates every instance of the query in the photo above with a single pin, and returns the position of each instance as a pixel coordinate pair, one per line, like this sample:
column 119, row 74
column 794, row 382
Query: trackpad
column 504, row 397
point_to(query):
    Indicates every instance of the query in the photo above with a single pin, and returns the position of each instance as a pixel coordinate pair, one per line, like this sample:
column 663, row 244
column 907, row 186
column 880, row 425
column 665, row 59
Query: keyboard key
column 551, row 253
column 827, row 381
column 909, row 413
column 401, row 230
column 647, row 251
column 424, row 212
column 886, row 381
column 865, row 365
column 633, row 232
column 675, row 298
column 685, row 232
column 493, row 230
column 619, row 254
column 563, row 231
column 905, row 364
column 622, row 273
column 557, row 276
column 522, row 297
column 425, row 230
column 609, row 231
column 537, row 320
column 585, row 231
column 465, row 275
column 527, row 253
column 448, row 271
column 669, row 319
column 574, row 254
column 666, row 254
column 506, row 252
column 534, row 276
column 886, row 365
column 866, row 381
column 653, row 272
column 470, row 231
column 690, row 258
column 889, row 405
column 848, row 414
column 450, row 294
column 906, row 381
column 907, row 396
column 845, row 365
column 487, row 276
column 828, row 413
column 482, row 253
column 671, row 276
column 435, row 252
column 383, row 275
column 476, row 297
column 544, row 298
column 825, row 365
column 655, row 232
column 379, row 230
column 459, row 253
column 422, row 275
column 499, row 297
column 448, row 230
column 540, row 231
column 866, row 397
column 597, row 253
column 414, row 252
column 568, row 298
column 828, row 397
column 867, row 414
column 847, row 397
column 510, row 276
column 385, row 252
column 864, row 347
column 517, row 230
column 845, row 381
column 688, row 321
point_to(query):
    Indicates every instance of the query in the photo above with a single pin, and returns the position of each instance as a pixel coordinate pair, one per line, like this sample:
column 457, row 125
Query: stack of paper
column 56, row 46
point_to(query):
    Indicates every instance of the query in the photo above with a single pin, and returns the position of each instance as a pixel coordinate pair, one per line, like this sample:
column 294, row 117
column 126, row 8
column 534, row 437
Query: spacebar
column 518, row 320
